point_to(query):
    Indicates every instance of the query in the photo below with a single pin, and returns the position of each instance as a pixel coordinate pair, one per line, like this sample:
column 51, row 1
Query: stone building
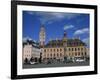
column 69, row 48
column 31, row 50
column 53, row 50
column 57, row 49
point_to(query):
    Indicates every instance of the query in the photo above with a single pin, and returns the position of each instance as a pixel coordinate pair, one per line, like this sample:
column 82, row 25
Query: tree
column 35, row 59
column 40, row 59
column 26, row 60
column 31, row 59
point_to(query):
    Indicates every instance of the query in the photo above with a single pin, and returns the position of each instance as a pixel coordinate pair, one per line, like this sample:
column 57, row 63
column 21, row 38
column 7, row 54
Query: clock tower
column 42, row 36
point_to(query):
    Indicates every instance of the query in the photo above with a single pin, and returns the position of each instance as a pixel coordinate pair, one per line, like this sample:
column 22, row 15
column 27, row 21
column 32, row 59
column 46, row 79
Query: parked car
column 33, row 62
column 80, row 60
column 49, row 62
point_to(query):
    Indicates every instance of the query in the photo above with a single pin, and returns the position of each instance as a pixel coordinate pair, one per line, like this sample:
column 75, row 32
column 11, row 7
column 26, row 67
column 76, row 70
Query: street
column 26, row 66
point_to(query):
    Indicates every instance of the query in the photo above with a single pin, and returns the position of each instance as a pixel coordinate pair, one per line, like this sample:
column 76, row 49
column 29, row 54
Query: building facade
column 58, row 49
column 69, row 48
column 53, row 53
column 31, row 50
column 76, row 48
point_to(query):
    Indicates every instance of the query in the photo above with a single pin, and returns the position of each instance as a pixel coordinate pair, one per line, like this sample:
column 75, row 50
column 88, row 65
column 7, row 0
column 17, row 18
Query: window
column 78, row 48
column 57, row 50
column 60, row 49
column 72, row 54
column 65, row 49
column 54, row 49
column 47, row 54
column 78, row 53
column 82, row 53
column 51, row 50
column 51, row 55
column 54, row 54
column 69, row 49
column 81, row 48
column 75, row 49
column 57, row 55
column 75, row 54
column 44, row 50
column 85, row 54
column 69, row 54
column 72, row 49
column 60, row 54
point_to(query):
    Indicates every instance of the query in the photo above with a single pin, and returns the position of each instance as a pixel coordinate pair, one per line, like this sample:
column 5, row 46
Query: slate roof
column 70, row 43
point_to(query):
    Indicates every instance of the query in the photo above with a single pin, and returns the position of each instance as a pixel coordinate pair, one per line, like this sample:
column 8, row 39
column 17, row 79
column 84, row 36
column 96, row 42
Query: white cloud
column 68, row 27
column 81, row 31
column 46, row 17
column 86, row 40
column 30, row 12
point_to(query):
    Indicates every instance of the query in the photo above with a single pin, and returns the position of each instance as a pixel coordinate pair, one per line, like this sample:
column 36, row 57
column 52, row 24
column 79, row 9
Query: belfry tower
column 65, row 43
column 42, row 36
column 64, row 37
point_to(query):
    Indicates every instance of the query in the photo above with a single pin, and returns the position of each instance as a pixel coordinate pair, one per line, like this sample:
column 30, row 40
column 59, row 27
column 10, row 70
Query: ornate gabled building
column 58, row 49
column 53, row 50
column 75, row 48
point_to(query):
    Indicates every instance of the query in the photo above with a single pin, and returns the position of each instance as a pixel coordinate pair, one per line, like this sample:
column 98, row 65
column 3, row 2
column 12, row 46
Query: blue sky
column 55, row 23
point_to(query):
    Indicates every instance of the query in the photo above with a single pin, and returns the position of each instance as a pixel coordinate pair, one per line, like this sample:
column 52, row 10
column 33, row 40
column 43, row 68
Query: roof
column 31, row 42
column 56, row 43
column 69, row 43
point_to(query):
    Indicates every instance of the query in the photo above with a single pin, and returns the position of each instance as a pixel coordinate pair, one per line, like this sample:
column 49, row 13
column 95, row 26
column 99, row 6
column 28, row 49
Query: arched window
column 81, row 48
column 44, row 50
column 75, row 49
column 51, row 55
column 78, row 53
column 69, row 49
column 60, row 49
column 75, row 54
column 57, row 55
column 82, row 53
column 51, row 50
column 54, row 54
column 85, row 54
column 48, row 55
column 54, row 50
column 78, row 48
column 72, row 54
column 57, row 50
column 72, row 49
column 60, row 54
